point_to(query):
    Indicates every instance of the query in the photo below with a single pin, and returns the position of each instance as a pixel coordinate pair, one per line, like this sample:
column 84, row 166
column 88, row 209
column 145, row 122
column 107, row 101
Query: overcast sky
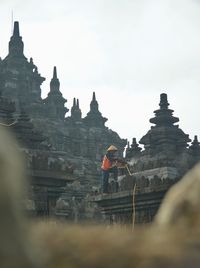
column 127, row 51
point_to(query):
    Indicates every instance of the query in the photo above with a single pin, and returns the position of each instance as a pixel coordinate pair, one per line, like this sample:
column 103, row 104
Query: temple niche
column 166, row 157
column 61, row 150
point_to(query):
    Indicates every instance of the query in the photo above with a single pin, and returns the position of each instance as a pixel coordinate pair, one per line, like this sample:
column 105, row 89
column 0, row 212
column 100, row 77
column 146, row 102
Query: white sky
column 127, row 51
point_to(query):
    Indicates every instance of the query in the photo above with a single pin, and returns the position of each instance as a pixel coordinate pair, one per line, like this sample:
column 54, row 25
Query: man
column 109, row 165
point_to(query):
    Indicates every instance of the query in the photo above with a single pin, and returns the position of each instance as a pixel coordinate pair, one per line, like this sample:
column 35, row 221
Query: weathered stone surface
column 133, row 150
column 165, row 159
column 162, row 173
column 21, row 78
column 15, row 249
column 164, row 135
column 27, row 135
column 54, row 103
column 42, row 128
column 181, row 205
column 81, row 142
column 170, row 242
column 94, row 117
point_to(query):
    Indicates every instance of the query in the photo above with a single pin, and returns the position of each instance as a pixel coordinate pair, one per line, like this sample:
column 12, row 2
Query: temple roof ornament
column 133, row 150
column 94, row 118
column 163, row 116
column 195, row 146
column 94, row 106
column 164, row 136
column 55, row 83
column 55, row 101
column 76, row 111
column 16, row 45
column 21, row 79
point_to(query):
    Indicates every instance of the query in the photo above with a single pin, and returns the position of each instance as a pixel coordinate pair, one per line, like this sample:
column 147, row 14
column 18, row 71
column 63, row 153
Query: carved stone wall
column 54, row 143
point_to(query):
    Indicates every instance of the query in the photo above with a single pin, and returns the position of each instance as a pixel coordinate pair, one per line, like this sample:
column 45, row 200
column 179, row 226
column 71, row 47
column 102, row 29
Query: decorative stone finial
column 55, row 84
column 16, row 29
column 164, row 136
column 195, row 143
column 75, row 111
column 74, row 102
column 94, row 96
column 16, row 45
column 54, row 73
column 94, row 117
column 133, row 150
column 77, row 104
column 163, row 101
column 164, row 116
column 94, row 106
column 195, row 147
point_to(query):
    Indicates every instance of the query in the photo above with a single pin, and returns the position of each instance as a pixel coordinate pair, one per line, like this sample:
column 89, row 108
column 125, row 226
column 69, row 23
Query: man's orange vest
column 106, row 164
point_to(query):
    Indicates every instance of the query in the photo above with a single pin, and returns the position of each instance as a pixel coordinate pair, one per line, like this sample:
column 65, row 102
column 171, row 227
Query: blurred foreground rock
column 15, row 247
column 181, row 206
column 173, row 240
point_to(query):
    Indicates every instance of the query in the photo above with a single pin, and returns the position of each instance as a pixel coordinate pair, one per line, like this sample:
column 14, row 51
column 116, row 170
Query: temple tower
column 94, row 117
column 133, row 150
column 55, row 103
column 76, row 111
column 21, row 78
column 164, row 136
column 195, row 147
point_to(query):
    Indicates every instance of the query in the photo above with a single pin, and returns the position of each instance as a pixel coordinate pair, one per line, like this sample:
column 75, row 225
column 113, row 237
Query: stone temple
column 166, row 157
column 64, row 152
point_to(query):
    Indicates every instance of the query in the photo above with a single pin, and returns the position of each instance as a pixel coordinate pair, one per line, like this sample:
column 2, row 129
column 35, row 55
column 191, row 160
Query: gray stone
column 181, row 205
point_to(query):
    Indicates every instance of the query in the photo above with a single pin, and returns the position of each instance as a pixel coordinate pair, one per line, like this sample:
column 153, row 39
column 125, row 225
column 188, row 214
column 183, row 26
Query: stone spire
column 76, row 111
column 94, row 117
column 55, row 103
column 16, row 45
column 164, row 136
column 94, row 104
column 55, row 84
column 133, row 150
column 163, row 116
column 77, row 104
column 21, row 78
column 195, row 146
column 74, row 105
